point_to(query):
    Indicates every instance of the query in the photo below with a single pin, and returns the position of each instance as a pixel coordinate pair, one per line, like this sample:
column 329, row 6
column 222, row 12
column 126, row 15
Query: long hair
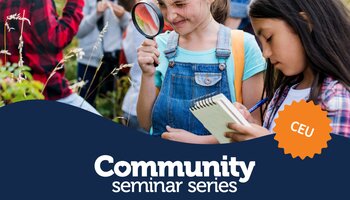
column 220, row 10
column 324, row 36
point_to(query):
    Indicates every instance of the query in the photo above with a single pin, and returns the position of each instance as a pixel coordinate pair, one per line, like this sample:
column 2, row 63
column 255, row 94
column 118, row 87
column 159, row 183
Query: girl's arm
column 91, row 16
column 253, row 78
column 147, row 97
column 147, row 56
column 252, row 89
column 56, row 33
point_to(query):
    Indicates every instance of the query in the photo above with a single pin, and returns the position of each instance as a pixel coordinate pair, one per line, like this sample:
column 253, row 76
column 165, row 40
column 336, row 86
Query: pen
column 257, row 105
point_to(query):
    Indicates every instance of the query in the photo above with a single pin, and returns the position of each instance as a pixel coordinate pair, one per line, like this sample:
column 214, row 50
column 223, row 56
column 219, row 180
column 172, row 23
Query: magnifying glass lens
column 147, row 19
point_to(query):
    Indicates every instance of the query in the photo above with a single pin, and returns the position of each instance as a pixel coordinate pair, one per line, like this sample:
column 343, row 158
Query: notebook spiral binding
column 202, row 103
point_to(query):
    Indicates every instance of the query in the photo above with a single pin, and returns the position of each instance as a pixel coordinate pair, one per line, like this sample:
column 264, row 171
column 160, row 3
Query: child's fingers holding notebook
column 180, row 135
column 242, row 133
column 244, row 111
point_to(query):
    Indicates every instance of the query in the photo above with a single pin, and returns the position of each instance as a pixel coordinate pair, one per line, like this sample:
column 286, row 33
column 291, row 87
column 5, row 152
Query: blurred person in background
column 131, row 42
column 238, row 16
column 43, row 43
column 96, row 15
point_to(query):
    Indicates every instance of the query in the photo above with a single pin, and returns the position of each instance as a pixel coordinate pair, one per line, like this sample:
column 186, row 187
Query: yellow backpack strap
column 237, row 40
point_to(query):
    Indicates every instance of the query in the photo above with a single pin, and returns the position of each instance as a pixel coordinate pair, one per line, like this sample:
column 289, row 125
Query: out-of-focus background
column 110, row 105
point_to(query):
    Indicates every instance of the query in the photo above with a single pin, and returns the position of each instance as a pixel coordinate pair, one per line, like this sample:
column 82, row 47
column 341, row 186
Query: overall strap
column 171, row 46
column 223, row 49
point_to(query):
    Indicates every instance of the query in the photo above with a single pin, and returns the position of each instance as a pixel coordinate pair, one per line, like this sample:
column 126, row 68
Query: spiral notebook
column 215, row 113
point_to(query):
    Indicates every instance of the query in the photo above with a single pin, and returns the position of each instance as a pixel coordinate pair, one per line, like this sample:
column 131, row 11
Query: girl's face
column 281, row 45
column 185, row 16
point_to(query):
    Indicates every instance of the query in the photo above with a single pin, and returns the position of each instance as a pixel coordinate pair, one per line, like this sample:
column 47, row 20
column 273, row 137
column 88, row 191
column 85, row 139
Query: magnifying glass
column 147, row 19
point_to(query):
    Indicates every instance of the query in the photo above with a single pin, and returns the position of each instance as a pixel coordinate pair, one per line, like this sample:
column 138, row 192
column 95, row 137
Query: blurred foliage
column 109, row 105
column 347, row 2
column 17, row 84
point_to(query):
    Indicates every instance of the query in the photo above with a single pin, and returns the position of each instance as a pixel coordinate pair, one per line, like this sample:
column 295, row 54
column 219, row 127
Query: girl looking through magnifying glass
column 191, row 65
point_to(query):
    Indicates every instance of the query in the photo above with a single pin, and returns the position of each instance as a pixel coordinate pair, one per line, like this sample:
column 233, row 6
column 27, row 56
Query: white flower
column 15, row 16
column 6, row 52
column 100, row 36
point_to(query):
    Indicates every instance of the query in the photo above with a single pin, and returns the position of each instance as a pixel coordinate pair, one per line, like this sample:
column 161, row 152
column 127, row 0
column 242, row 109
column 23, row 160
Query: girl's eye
column 161, row 4
column 180, row 5
column 269, row 39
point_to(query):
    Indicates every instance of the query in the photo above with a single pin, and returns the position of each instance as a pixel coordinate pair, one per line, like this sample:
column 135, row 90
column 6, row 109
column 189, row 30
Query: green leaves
column 17, row 84
column 110, row 105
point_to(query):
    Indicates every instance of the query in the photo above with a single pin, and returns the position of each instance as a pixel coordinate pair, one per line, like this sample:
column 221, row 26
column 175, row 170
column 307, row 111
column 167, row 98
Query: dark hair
column 327, row 45
column 220, row 10
column 127, row 4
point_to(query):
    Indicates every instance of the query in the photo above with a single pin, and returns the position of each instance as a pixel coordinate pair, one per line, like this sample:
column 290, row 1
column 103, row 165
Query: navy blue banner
column 54, row 151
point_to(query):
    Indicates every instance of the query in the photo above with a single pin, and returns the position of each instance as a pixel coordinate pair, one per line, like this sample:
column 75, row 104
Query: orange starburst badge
column 302, row 129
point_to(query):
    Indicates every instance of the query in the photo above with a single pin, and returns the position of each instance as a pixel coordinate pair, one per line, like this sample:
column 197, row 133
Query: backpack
column 237, row 39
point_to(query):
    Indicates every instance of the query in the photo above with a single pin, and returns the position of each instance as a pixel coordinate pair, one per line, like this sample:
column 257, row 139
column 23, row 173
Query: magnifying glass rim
column 156, row 10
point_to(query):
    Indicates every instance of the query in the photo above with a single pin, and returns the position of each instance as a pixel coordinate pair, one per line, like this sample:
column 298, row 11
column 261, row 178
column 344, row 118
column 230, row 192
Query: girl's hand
column 118, row 10
column 242, row 133
column 147, row 55
column 244, row 111
column 101, row 7
column 180, row 135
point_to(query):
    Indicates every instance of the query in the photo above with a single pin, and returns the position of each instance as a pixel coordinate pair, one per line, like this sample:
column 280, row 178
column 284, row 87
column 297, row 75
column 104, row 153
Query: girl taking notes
column 306, row 44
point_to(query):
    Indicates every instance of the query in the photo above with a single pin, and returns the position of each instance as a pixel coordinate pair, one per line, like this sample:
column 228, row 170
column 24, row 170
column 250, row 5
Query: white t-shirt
column 293, row 95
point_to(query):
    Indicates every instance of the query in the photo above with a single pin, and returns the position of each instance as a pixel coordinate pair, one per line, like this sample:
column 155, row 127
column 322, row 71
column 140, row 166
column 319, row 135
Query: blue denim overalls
column 185, row 83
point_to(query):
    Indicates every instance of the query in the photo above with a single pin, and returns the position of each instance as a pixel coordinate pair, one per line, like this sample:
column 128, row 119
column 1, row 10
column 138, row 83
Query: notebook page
column 213, row 119
column 232, row 110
